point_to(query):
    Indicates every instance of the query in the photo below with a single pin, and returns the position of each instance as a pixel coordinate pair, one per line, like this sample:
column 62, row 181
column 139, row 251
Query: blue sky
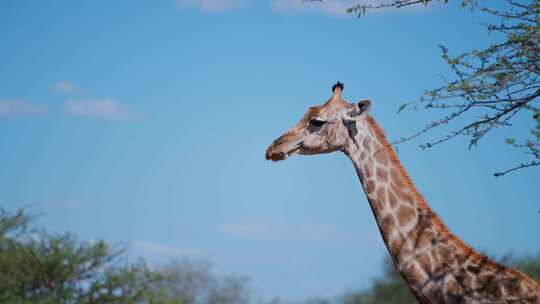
column 145, row 123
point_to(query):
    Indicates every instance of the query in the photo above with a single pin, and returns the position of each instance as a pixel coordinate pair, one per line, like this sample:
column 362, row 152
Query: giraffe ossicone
column 437, row 266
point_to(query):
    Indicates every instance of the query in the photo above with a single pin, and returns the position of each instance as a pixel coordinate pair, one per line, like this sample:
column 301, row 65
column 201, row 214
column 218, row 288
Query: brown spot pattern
column 446, row 263
column 370, row 187
column 397, row 245
column 367, row 143
column 463, row 278
column 392, row 199
column 424, row 262
column 405, row 215
column 404, row 253
column 378, row 205
column 381, row 156
column 387, row 224
column 382, row 175
column 413, row 274
column 424, row 238
column 396, row 178
column 406, row 197
column 368, row 168
column 434, row 294
column 381, row 195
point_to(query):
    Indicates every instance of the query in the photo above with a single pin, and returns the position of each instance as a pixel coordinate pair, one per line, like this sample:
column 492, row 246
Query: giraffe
column 437, row 266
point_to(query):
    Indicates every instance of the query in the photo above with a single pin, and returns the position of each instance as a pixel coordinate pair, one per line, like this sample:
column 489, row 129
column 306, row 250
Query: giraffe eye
column 317, row 122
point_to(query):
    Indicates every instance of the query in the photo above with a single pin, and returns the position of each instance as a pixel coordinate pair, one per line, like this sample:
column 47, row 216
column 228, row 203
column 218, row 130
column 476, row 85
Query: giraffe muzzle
column 278, row 152
column 275, row 155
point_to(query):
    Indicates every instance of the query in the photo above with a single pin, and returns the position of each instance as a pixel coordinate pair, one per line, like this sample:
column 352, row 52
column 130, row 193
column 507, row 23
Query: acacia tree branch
column 491, row 86
column 521, row 166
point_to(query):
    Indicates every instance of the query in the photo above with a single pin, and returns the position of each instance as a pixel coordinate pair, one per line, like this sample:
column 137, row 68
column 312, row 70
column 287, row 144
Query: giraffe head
column 323, row 129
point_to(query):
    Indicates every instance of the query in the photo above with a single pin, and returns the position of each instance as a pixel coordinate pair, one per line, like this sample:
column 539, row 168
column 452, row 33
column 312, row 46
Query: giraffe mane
column 379, row 132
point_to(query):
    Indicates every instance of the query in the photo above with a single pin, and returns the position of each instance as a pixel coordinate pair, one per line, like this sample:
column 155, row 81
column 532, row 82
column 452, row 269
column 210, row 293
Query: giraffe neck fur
column 438, row 266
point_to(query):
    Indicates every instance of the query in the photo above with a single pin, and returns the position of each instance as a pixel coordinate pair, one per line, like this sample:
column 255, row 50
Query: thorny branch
column 490, row 86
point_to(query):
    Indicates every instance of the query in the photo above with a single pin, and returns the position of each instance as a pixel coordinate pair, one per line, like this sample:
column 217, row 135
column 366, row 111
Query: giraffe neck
column 437, row 266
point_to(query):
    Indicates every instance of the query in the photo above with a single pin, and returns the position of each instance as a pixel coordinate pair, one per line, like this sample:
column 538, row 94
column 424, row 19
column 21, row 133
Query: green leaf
column 511, row 141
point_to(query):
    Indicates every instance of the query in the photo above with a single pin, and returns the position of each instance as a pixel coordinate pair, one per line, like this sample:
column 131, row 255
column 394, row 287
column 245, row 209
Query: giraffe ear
column 360, row 109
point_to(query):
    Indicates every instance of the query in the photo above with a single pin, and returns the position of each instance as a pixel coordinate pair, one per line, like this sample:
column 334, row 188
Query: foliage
column 529, row 265
column 491, row 88
column 389, row 289
column 37, row 267
column 194, row 282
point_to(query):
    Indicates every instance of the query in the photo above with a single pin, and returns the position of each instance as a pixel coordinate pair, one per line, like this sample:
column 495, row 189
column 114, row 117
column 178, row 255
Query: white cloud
column 272, row 229
column 66, row 87
column 19, row 107
column 159, row 251
column 105, row 109
column 211, row 5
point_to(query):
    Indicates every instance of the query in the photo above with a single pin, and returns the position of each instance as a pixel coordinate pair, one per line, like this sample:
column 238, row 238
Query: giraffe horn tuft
column 337, row 85
column 336, row 93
